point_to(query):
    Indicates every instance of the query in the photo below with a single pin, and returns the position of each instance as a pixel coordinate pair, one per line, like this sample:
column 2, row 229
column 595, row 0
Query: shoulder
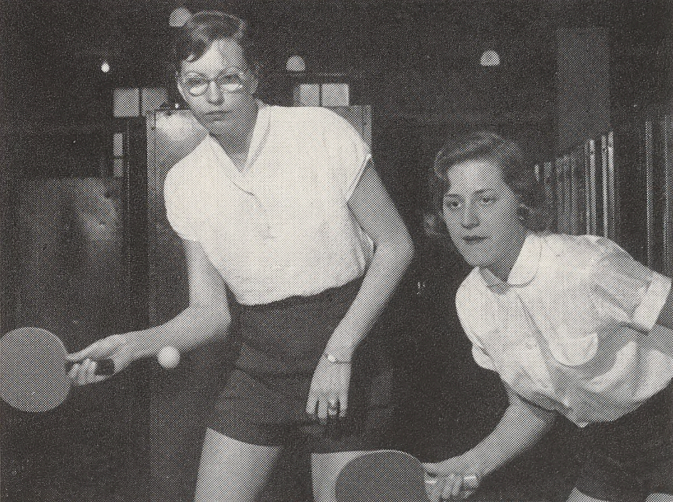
column 580, row 250
column 472, row 287
column 315, row 116
column 190, row 170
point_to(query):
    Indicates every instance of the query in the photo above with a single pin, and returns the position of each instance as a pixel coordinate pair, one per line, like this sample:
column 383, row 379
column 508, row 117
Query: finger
column 431, row 482
column 343, row 403
column 430, row 468
column 322, row 410
column 80, row 376
column 312, row 405
column 449, row 491
column 468, row 493
column 90, row 368
column 87, row 373
column 82, row 354
column 333, row 406
column 72, row 374
column 437, row 490
column 457, row 491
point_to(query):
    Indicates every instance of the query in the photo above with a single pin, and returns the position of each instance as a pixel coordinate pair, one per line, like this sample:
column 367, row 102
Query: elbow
column 216, row 318
column 406, row 250
column 397, row 252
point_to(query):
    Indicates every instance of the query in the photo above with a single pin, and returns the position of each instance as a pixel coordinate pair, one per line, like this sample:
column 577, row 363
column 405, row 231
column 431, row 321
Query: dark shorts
column 632, row 457
column 264, row 400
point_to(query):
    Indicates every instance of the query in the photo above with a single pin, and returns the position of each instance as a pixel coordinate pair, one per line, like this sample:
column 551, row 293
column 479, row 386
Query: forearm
column 384, row 274
column 193, row 327
column 518, row 430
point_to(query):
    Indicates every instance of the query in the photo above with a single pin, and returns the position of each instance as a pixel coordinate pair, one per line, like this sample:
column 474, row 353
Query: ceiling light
column 295, row 63
column 179, row 17
column 490, row 58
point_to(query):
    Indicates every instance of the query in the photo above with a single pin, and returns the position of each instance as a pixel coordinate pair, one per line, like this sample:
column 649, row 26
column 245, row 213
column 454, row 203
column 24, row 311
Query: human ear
column 523, row 212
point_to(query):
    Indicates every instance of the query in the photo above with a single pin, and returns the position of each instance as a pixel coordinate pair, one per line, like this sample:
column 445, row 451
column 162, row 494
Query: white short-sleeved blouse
column 280, row 227
column 573, row 328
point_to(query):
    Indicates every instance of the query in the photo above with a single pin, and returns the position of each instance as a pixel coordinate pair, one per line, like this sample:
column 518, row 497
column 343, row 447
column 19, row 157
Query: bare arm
column 522, row 425
column 520, row 428
column 376, row 214
column 206, row 318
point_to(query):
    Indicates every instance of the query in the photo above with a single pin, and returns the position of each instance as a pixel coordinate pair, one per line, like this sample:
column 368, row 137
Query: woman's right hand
column 453, row 479
column 115, row 347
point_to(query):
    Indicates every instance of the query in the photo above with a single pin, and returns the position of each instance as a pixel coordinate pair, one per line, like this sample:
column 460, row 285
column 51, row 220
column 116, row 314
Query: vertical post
column 606, row 187
column 591, row 149
column 667, row 132
column 649, row 187
column 612, row 192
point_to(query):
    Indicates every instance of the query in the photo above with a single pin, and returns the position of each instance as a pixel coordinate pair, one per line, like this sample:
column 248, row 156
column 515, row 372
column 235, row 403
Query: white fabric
column 280, row 227
column 573, row 328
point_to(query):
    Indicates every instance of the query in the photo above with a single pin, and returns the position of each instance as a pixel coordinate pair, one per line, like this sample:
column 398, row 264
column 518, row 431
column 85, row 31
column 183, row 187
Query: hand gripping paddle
column 33, row 369
column 386, row 476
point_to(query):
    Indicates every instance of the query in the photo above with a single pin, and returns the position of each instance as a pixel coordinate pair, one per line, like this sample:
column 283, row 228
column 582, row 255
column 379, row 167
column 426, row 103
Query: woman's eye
column 452, row 204
column 228, row 79
column 487, row 201
column 195, row 81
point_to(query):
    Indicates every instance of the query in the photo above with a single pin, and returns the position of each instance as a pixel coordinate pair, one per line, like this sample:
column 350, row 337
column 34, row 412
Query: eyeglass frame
column 241, row 74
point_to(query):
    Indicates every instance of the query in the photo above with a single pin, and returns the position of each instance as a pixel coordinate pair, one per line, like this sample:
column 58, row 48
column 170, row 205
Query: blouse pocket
column 573, row 350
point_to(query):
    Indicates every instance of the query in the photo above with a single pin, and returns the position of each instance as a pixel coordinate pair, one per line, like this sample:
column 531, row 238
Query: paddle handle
column 104, row 367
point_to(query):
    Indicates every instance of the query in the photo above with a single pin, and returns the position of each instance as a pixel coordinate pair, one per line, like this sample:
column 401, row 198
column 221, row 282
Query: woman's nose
column 214, row 94
column 469, row 217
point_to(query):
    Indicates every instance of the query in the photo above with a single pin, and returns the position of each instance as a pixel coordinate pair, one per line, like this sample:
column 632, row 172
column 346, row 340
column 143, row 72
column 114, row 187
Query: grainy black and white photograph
column 336, row 250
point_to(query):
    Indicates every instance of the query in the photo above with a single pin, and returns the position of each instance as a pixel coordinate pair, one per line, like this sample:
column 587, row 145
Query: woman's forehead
column 222, row 54
column 474, row 175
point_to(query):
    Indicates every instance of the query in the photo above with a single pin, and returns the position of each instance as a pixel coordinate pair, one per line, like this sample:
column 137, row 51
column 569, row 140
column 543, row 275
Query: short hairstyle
column 195, row 37
column 508, row 156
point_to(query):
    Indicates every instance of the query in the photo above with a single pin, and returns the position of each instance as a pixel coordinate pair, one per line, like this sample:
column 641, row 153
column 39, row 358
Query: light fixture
column 105, row 66
column 295, row 63
column 179, row 17
column 489, row 58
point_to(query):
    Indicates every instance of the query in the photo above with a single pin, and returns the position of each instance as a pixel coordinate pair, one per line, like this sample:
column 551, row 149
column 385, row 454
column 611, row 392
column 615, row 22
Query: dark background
column 415, row 62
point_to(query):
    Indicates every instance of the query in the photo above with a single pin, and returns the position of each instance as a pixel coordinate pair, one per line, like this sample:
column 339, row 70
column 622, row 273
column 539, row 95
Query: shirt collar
column 259, row 134
column 525, row 268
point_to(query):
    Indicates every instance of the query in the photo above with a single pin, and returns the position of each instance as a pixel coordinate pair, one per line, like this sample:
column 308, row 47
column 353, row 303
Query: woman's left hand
column 328, row 396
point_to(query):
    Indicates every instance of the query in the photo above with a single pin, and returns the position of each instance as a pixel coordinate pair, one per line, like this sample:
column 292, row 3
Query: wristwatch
column 334, row 359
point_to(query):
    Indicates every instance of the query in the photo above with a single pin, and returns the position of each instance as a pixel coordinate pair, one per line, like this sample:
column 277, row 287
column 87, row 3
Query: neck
column 236, row 141
column 503, row 268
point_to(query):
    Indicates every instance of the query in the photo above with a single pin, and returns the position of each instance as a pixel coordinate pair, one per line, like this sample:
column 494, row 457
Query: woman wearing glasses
column 283, row 207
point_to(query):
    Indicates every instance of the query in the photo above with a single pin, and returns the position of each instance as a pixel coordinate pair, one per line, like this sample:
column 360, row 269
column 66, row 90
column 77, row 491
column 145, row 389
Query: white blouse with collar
column 573, row 328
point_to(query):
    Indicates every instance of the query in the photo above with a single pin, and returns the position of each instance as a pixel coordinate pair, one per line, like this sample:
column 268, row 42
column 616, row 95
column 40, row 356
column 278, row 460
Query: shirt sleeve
column 179, row 211
column 464, row 312
column 623, row 290
column 348, row 151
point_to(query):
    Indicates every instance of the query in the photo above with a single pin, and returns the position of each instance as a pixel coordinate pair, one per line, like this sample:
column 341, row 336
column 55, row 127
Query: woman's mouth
column 216, row 115
column 473, row 239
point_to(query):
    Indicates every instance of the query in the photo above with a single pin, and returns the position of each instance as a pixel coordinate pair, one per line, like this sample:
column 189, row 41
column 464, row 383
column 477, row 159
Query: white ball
column 169, row 357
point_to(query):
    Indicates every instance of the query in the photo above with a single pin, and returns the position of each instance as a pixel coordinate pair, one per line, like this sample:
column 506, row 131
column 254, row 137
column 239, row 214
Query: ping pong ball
column 169, row 357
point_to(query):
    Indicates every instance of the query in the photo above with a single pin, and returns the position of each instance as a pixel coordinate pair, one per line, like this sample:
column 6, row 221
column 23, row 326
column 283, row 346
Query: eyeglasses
column 197, row 84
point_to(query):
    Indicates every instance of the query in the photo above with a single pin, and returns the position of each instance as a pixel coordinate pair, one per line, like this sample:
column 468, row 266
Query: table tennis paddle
column 386, row 475
column 382, row 475
column 33, row 369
